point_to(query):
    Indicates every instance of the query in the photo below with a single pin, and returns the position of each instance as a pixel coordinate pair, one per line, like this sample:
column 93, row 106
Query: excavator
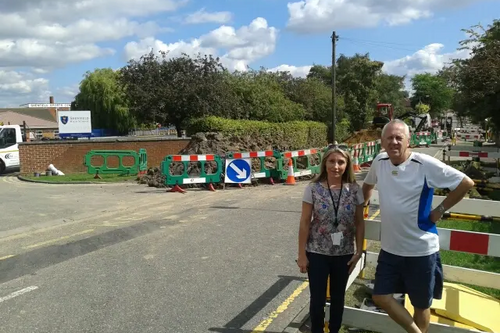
column 385, row 113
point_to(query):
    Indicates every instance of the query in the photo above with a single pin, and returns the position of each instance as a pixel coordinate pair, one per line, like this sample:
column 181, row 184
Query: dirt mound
column 153, row 178
column 219, row 144
column 365, row 135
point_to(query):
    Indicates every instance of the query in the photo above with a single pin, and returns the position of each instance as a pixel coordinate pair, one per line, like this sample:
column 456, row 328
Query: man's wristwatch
column 441, row 209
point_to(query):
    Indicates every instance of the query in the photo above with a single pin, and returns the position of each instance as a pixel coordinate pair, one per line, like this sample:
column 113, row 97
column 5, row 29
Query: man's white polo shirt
column 405, row 194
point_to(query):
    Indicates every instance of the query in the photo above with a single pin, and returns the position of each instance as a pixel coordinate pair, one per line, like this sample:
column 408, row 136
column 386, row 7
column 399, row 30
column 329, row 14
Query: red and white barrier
column 370, row 150
column 192, row 180
column 192, row 158
column 469, row 136
column 453, row 240
column 470, row 242
column 254, row 154
column 300, row 153
column 480, row 154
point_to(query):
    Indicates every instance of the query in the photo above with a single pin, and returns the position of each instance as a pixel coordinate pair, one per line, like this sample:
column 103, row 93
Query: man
column 409, row 260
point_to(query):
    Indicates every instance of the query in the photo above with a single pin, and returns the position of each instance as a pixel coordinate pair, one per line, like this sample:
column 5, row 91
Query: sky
column 46, row 46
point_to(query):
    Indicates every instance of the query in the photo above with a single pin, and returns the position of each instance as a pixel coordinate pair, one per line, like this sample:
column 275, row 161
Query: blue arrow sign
column 238, row 171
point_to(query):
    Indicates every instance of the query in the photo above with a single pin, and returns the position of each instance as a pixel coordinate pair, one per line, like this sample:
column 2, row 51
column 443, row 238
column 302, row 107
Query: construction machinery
column 383, row 114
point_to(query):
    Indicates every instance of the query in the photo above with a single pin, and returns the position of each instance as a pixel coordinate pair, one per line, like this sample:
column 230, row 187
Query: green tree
column 356, row 82
column 102, row 94
column 422, row 108
column 320, row 72
column 141, row 80
column 261, row 97
column 477, row 78
column 174, row 90
column 450, row 74
column 391, row 89
column 432, row 90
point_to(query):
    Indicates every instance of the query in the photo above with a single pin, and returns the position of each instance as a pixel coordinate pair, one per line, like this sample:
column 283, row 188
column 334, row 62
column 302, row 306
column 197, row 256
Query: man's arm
column 370, row 181
column 367, row 192
column 440, row 175
column 452, row 199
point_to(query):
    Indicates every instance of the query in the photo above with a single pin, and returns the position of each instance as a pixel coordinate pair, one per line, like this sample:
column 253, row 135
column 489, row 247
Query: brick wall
column 68, row 156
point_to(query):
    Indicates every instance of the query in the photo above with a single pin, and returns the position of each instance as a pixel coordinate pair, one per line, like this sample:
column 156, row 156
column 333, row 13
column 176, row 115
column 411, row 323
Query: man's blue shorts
column 419, row 277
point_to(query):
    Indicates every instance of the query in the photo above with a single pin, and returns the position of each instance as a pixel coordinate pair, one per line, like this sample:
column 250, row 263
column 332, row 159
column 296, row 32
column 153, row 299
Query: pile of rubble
column 219, row 144
column 365, row 135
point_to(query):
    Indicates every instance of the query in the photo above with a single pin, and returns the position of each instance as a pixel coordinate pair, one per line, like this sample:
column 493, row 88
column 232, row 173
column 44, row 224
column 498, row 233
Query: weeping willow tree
column 102, row 94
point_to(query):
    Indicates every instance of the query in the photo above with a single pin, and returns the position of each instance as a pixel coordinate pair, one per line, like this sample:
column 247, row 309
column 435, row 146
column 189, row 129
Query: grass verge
column 76, row 178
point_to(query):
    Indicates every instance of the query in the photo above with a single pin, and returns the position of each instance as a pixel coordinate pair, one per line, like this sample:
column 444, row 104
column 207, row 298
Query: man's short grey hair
column 397, row 122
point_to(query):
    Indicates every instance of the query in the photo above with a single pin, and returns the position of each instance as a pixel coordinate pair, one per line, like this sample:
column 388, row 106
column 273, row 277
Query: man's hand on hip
column 435, row 216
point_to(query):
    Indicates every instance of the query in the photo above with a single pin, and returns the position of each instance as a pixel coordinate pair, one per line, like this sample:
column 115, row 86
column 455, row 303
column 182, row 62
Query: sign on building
column 74, row 123
column 48, row 105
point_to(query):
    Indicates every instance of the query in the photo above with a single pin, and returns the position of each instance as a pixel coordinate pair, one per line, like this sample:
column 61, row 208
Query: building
column 40, row 118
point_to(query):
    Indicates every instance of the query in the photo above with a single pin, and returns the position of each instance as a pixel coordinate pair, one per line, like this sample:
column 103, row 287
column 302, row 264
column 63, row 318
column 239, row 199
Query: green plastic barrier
column 106, row 169
column 263, row 171
column 143, row 161
column 282, row 168
column 185, row 178
column 420, row 140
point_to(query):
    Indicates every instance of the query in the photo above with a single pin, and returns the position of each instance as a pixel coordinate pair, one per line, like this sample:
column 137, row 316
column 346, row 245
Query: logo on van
column 64, row 120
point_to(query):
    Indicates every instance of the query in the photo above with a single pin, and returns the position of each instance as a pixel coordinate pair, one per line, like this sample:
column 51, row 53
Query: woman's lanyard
column 335, row 224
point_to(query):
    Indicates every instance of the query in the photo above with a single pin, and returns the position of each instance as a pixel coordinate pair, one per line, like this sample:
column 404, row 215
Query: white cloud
column 42, row 35
column 202, row 16
column 22, row 87
column 296, row 71
column 430, row 59
column 40, row 53
column 320, row 16
column 53, row 33
column 67, row 94
column 237, row 48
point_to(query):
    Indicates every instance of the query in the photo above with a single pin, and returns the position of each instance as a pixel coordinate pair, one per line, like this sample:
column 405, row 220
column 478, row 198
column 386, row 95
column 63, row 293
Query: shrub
column 298, row 134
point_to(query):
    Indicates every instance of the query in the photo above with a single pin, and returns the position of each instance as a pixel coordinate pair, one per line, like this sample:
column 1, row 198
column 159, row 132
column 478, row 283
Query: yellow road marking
column 58, row 239
column 6, row 257
column 283, row 306
column 375, row 214
column 31, row 233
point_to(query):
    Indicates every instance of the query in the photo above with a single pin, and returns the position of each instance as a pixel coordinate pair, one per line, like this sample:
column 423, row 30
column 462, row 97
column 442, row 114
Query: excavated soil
column 219, row 144
column 365, row 135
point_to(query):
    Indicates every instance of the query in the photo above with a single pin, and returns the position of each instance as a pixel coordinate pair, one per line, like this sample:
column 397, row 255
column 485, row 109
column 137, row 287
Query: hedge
column 298, row 134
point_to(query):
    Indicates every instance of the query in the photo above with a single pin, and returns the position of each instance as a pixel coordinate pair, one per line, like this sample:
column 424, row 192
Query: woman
column 332, row 217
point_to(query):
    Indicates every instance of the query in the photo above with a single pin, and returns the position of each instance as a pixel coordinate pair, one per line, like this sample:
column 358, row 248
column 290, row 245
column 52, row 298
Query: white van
column 10, row 137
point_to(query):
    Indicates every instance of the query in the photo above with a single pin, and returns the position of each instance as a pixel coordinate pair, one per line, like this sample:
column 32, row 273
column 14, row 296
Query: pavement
column 129, row 258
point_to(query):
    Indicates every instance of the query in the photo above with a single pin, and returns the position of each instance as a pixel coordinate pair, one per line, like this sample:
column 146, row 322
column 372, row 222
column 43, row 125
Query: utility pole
column 334, row 79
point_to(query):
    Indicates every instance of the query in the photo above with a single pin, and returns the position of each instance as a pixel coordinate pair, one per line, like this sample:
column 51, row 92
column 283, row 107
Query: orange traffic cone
column 290, row 179
column 355, row 162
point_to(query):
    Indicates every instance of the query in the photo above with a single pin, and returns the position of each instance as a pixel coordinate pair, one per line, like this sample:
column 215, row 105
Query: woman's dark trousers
column 320, row 266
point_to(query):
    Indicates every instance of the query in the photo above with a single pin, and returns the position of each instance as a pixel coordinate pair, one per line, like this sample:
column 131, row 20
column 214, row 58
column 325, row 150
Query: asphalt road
column 128, row 258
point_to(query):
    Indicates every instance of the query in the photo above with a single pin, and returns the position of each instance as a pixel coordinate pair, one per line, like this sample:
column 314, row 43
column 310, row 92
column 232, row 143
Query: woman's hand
column 352, row 263
column 303, row 263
